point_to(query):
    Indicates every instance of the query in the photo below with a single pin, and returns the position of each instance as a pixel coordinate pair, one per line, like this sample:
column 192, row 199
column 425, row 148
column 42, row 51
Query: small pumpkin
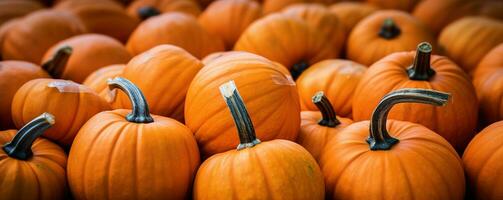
column 77, row 57
column 389, row 159
column 269, row 175
column 177, row 29
column 144, row 9
column 32, row 168
column 130, row 154
column 385, row 32
column 350, row 13
column 271, row 95
column 405, row 5
column 97, row 81
column 10, row 9
column 71, row 103
column 13, row 74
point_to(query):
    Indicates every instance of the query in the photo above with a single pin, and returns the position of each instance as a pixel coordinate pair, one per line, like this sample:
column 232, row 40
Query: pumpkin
column 482, row 162
column 30, row 37
column 405, row 5
column 318, row 127
column 277, row 169
column 468, row 39
column 271, row 6
column 229, row 18
column 421, row 70
column 177, row 29
column 350, row 13
column 32, row 167
column 390, row 159
column 100, row 17
column 337, row 78
column 163, row 71
column 97, row 81
column 271, row 95
column 130, row 154
column 71, row 103
column 143, row 9
column 488, row 79
column 385, row 32
column 10, row 9
column 89, row 52
column 13, row 74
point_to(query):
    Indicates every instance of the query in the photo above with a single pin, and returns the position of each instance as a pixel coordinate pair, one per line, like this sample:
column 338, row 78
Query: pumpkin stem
column 389, row 29
column 420, row 69
column 20, row 146
column 298, row 68
column 246, row 132
column 147, row 12
column 140, row 112
column 329, row 118
column 379, row 138
column 57, row 64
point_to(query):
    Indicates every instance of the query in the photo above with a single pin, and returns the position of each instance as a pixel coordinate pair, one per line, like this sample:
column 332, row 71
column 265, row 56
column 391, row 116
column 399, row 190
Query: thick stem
column 298, row 68
column 20, row 146
column 140, row 112
column 420, row 69
column 240, row 115
column 147, row 12
column 56, row 66
column 329, row 118
column 389, row 29
column 379, row 138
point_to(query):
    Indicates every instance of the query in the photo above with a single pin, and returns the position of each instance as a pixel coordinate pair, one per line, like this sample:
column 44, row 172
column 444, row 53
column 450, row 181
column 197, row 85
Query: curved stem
column 420, row 69
column 20, row 146
column 329, row 118
column 147, row 12
column 140, row 112
column 298, row 68
column 389, row 29
column 56, row 65
column 246, row 132
column 379, row 138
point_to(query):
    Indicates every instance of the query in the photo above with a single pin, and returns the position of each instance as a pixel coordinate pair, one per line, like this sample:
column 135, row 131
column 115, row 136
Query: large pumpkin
column 72, row 104
column 130, row 154
column 350, row 13
column 418, row 70
column 270, row 93
column 385, row 32
column 97, row 81
column 143, row 9
column 405, row 5
column 388, row 159
column 468, row 39
column 337, row 78
column 277, row 169
column 10, row 9
column 177, row 29
column 32, row 168
column 13, row 74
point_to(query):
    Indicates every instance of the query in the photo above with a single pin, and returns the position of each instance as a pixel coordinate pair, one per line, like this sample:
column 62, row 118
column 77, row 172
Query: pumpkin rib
column 406, row 175
column 266, row 183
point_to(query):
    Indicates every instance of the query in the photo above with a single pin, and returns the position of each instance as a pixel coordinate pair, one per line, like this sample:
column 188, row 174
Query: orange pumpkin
column 71, row 103
column 394, row 159
column 418, row 70
column 468, row 39
column 89, row 52
column 271, row 95
column 405, row 5
column 13, row 74
column 482, row 162
column 32, row 168
column 385, row 32
column 337, row 78
column 277, row 169
column 143, row 9
column 271, row 6
column 350, row 13
column 318, row 127
column 177, row 29
column 10, row 9
column 97, row 81
column 229, row 18
column 30, row 37
column 130, row 154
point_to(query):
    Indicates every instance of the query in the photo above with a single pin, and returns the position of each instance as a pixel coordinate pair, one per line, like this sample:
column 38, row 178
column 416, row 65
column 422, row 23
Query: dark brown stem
column 147, row 12
column 329, row 118
column 20, row 146
column 379, row 138
column 140, row 112
column 56, row 66
column 246, row 132
column 389, row 29
column 420, row 69
column 298, row 68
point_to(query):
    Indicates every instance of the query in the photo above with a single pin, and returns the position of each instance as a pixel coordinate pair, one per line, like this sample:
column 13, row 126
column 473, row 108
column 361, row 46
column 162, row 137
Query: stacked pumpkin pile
column 244, row 99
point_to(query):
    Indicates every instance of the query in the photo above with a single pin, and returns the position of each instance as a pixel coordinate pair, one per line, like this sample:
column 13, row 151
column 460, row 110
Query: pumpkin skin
column 365, row 45
column 10, row 9
column 405, row 5
column 274, row 109
column 350, row 13
column 43, row 28
column 177, row 29
column 271, row 6
column 13, row 74
column 482, row 162
column 79, row 103
column 229, row 18
column 97, row 81
column 337, row 78
column 164, row 6
column 468, row 39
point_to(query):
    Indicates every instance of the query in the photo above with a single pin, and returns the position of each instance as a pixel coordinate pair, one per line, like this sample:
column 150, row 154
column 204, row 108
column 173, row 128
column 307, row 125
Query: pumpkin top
column 146, row 12
column 329, row 118
column 140, row 112
column 389, row 29
column 420, row 69
column 56, row 65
